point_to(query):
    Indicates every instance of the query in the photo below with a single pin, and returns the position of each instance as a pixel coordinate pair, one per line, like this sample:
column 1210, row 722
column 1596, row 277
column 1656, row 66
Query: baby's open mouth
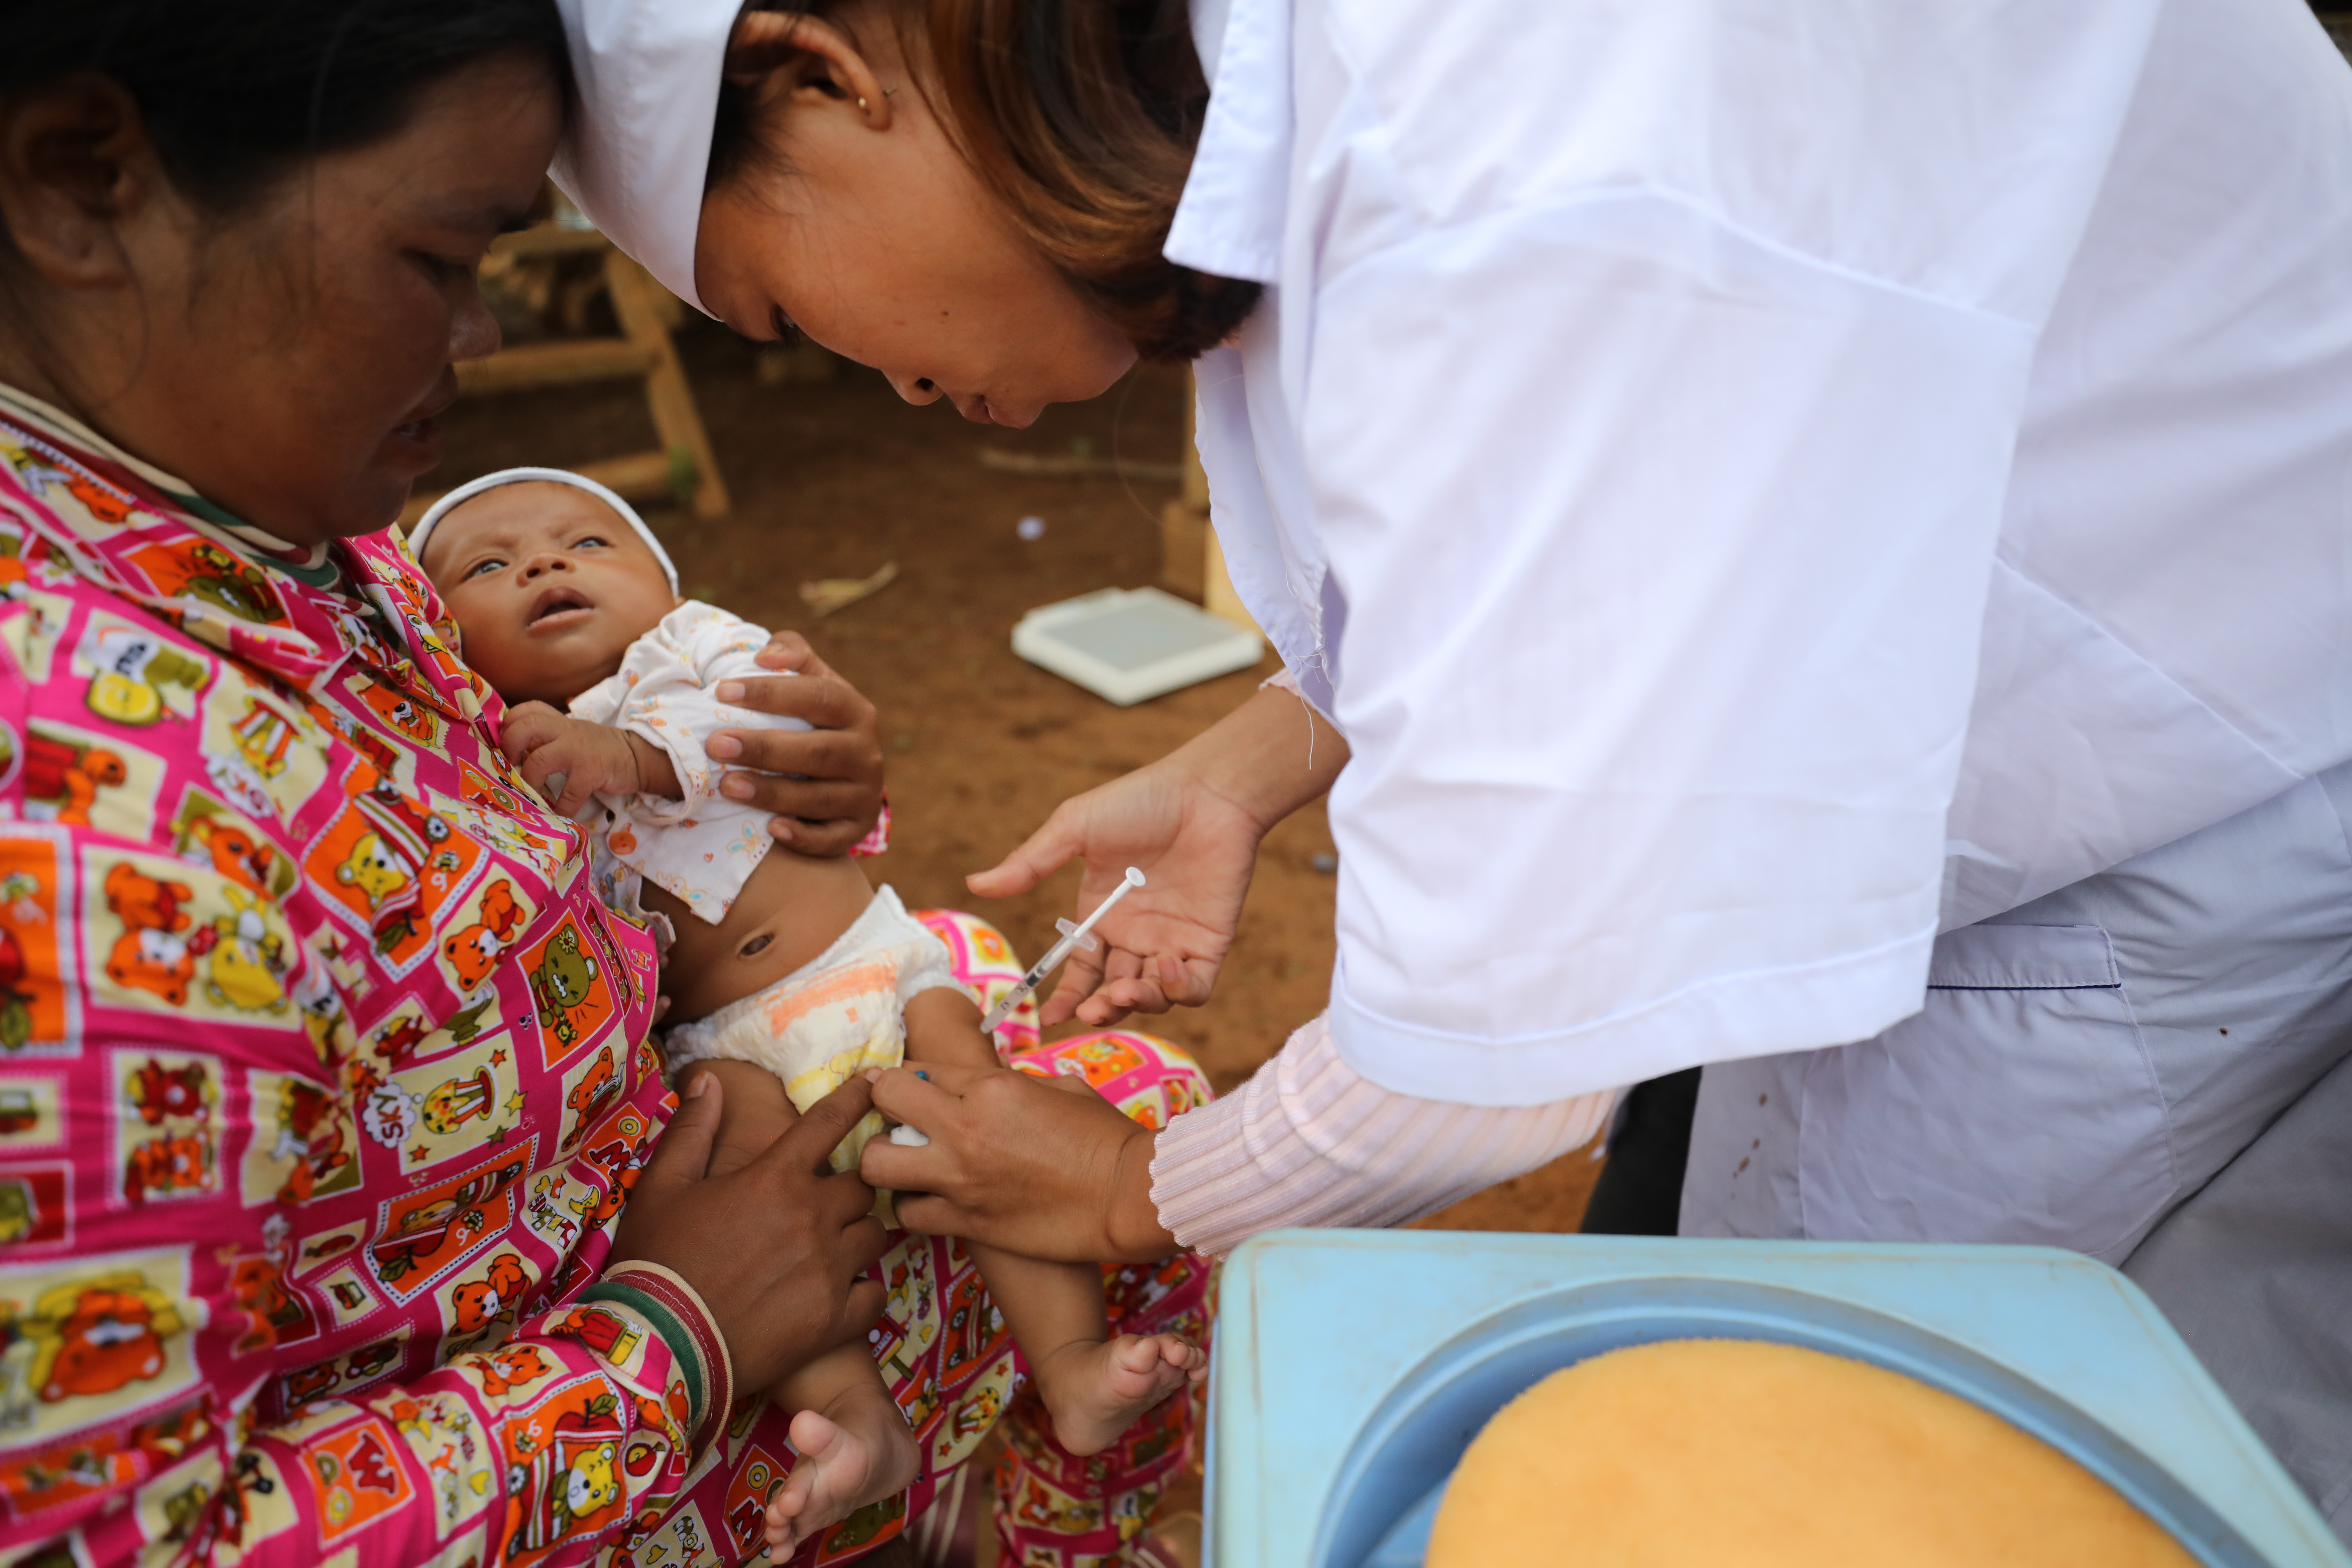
column 557, row 606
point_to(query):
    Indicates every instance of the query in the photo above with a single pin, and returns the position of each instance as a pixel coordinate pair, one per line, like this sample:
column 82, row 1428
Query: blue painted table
column 1353, row 1367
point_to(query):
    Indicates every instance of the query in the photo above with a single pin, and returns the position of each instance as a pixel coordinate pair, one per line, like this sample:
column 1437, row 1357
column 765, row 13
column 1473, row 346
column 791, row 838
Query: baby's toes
column 815, row 1434
column 790, row 1505
column 1135, row 1354
column 1177, row 1354
column 1144, row 1366
column 783, row 1519
column 828, row 1481
column 791, row 1500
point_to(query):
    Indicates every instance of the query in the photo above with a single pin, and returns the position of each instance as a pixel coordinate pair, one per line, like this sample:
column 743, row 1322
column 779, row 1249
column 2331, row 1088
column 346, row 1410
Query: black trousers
column 1640, row 1192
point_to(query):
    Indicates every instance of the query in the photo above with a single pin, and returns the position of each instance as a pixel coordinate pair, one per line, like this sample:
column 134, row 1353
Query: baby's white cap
column 472, row 487
column 634, row 157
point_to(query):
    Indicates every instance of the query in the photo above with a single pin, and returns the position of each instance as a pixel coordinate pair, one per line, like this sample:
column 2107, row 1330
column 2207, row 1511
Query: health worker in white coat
column 1807, row 537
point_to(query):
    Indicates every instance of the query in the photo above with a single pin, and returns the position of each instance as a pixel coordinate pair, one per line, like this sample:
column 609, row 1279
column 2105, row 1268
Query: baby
column 566, row 600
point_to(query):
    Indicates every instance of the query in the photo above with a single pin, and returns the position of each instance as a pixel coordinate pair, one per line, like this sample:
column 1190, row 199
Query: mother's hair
column 236, row 93
column 1081, row 117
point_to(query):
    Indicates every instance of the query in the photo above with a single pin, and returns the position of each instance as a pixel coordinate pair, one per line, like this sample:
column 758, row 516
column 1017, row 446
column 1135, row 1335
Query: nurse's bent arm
column 1046, row 1168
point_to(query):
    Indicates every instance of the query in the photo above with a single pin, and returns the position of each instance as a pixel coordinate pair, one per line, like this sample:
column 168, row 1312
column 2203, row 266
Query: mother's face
column 286, row 360
column 868, row 232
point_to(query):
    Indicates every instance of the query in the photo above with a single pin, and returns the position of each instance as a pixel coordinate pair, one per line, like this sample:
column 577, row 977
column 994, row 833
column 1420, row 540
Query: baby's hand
column 568, row 760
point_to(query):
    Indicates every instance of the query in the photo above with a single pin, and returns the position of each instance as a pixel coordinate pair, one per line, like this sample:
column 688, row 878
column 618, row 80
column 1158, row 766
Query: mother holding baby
column 344, row 1213
column 1806, row 542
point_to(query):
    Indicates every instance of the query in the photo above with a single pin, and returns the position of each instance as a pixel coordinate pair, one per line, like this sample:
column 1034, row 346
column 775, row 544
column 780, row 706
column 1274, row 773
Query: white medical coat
column 1758, row 482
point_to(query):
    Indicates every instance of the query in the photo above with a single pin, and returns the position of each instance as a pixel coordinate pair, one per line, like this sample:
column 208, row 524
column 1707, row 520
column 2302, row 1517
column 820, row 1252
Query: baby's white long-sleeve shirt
column 701, row 848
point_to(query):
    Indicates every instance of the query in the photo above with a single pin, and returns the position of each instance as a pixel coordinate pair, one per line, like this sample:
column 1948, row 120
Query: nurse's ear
column 806, row 61
column 77, row 169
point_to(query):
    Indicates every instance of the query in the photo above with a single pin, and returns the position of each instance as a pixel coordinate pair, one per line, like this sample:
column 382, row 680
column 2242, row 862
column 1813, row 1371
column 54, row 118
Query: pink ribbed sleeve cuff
column 1309, row 1142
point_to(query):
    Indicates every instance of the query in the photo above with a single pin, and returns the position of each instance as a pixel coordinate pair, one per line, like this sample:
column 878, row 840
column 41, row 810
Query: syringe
column 1074, row 938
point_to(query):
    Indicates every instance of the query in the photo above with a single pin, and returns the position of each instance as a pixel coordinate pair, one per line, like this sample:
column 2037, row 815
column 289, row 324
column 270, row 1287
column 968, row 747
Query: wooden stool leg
column 676, row 420
column 1185, row 539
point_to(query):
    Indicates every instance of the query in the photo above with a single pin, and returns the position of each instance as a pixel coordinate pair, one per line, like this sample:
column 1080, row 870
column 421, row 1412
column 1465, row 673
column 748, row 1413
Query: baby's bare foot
column 840, row 1470
column 1094, row 1391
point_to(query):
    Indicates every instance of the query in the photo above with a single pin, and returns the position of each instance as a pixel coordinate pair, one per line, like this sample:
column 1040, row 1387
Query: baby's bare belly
column 791, row 908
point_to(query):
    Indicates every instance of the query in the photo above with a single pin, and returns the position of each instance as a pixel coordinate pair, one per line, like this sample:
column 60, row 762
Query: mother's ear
column 818, row 57
column 76, row 164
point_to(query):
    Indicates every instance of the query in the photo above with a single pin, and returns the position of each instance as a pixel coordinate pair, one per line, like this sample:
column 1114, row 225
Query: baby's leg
column 855, row 1448
column 1093, row 1386
column 754, row 1111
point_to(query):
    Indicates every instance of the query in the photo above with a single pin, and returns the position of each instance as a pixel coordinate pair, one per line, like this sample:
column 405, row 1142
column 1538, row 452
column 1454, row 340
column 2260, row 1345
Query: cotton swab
column 1074, row 937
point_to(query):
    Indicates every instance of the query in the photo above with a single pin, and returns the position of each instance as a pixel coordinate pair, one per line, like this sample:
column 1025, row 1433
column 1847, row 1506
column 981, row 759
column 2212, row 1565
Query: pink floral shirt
column 321, row 1070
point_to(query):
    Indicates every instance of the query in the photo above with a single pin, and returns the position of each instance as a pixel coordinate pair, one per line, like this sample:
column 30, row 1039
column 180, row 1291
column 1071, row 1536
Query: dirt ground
column 835, row 477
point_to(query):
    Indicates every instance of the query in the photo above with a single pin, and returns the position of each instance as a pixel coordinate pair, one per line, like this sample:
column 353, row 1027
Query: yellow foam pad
column 1736, row 1451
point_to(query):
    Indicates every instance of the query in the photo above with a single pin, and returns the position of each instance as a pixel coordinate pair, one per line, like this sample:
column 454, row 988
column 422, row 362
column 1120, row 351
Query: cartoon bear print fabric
column 268, row 1272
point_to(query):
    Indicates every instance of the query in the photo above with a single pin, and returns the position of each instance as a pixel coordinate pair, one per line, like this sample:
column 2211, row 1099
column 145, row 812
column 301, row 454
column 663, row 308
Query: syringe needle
column 1058, row 952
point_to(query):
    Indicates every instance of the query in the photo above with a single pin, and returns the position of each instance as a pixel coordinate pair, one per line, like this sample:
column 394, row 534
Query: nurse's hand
column 824, row 784
column 775, row 1243
column 1191, row 822
column 1164, row 944
column 1043, row 1167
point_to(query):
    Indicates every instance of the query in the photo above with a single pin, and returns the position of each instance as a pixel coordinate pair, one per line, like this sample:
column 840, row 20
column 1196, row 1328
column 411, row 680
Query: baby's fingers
column 555, row 770
column 573, row 791
column 528, row 727
column 546, row 768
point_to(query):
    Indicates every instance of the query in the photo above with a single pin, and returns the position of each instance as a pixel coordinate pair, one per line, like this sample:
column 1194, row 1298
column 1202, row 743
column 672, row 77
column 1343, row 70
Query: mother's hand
column 1044, row 1167
column 824, row 784
column 777, row 1247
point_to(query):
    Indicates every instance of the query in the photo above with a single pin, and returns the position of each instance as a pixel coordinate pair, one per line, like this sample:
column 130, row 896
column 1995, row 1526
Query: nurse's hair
column 1080, row 116
column 237, row 93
